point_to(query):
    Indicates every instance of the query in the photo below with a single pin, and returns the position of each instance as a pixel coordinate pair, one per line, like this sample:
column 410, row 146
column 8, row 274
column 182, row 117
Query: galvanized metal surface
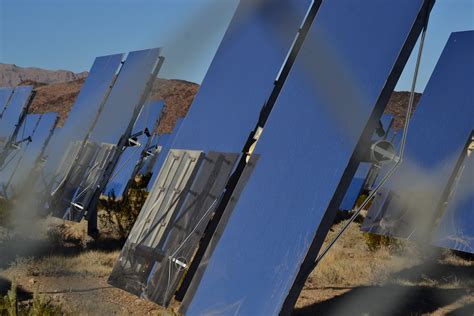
column 132, row 270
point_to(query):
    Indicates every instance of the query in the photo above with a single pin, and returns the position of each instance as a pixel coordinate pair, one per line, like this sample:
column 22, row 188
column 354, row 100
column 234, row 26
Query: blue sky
column 446, row 17
column 69, row 34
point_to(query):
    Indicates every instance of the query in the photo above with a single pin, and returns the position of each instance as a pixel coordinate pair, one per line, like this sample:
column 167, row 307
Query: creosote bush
column 375, row 242
column 119, row 214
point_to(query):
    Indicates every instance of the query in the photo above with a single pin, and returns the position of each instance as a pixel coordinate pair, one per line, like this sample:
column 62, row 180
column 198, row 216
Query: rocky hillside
column 59, row 97
column 398, row 106
column 178, row 96
column 55, row 97
column 57, row 91
column 12, row 75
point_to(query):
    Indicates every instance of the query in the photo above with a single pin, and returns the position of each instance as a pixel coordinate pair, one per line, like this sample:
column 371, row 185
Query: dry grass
column 349, row 267
column 89, row 263
column 450, row 258
column 351, row 263
column 59, row 231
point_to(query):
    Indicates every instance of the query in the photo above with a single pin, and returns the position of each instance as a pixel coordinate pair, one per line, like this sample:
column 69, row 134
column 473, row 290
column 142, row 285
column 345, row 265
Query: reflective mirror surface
column 241, row 76
column 333, row 97
column 11, row 115
column 132, row 156
column 40, row 129
column 93, row 93
column 435, row 145
column 126, row 95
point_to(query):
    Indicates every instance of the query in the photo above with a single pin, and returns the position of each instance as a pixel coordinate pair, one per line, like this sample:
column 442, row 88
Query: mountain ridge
column 12, row 75
column 59, row 90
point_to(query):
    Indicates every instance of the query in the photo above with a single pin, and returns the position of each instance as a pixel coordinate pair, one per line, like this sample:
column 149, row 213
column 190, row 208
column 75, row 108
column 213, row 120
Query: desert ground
column 361, row 275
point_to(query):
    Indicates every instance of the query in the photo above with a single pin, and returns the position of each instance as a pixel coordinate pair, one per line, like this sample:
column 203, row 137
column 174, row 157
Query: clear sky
column 69, row 34
column 446, row 17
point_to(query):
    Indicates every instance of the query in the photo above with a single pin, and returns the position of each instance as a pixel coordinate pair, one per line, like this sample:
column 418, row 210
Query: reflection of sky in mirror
column 12, row 113
column 4, row 96
column 125, row 96
column 16, row 156
column 84, row 110
column 305, row 149
column 242, row 75
column 41, row 132
column 126, row 164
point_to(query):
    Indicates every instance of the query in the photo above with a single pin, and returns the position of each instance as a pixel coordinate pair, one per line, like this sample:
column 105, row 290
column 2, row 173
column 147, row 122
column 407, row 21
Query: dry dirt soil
column 399, row 279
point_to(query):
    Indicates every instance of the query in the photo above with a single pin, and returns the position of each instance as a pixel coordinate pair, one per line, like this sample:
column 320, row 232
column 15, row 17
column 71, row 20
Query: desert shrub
column 375, row 242
column 361, row 200
column 119, row 215
column 42, row 306
column 342, row 215
column 9, row 303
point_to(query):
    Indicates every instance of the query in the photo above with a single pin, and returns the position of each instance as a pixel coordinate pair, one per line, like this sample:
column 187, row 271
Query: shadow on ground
column 21, row 293
column 402, row 299
column 25, row 247
column 465, row 310
column 385, row 300
column 439, row 273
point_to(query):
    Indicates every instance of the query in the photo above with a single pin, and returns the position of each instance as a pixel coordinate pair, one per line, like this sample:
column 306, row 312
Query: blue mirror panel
column 435, row 145
column 11, row 115
column 93, row 93
column 11, row 167
column 39, row 129
column 355, row 188
column 126, row 95
column 5, row 94
column 332, row 99
column 241, row 76
column 111, row 132
column 125, row 168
